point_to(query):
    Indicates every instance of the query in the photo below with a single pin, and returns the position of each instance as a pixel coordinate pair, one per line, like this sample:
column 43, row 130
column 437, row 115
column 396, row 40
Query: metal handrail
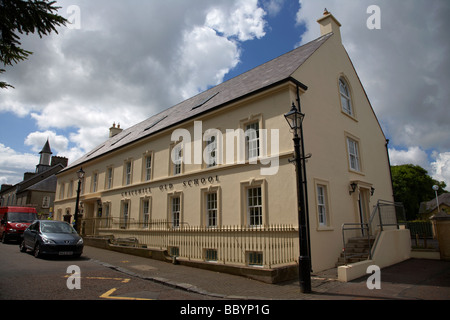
column 368, row 226
column 355, row 226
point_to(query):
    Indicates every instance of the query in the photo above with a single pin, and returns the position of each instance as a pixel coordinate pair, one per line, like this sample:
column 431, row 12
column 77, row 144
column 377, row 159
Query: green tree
column 412, row 185
column 24, row 17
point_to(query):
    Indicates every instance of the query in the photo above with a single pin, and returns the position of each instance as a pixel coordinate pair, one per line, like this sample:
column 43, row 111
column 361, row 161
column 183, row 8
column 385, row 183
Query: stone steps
column 356, row 250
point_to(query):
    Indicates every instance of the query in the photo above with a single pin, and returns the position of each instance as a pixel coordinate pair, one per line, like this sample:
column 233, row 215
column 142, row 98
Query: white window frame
column 345, row 97
column 252, row 140
column 255, row 216
column 146, row 212
column 211, row 151
column 125, row 214
column 322, row 205
column 45, row 202
column 109, row 178
column 175, row 210
column 70, row 189
column 61, row 190
column 354, row 154
column 148, row 167
column 128, row 172
column 94, row 182
column 212, row 209
column 176, row 164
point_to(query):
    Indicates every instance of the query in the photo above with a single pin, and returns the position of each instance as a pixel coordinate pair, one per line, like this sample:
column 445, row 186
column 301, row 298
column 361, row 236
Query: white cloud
column 414, row 155
column 222, row 55
column 273, row 7
column 36, row 140
column 13, row 164
column 441, row 167
column 244, row 20
column 126, row 63
column 404, row 66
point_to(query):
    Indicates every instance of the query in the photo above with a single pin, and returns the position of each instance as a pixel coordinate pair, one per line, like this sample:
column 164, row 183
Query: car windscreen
column 56, row 228
column 21, row 216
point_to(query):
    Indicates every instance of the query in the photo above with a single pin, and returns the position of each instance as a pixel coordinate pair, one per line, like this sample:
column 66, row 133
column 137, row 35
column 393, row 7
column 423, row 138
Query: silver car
column 48, row 237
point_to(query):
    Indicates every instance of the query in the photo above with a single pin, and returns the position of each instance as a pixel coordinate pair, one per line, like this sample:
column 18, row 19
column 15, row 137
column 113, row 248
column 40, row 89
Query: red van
column 14, row 221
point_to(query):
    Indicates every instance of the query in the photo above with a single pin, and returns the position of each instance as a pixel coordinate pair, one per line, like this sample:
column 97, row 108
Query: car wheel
column 37, row 251
column 4, row 240
column 22, row 246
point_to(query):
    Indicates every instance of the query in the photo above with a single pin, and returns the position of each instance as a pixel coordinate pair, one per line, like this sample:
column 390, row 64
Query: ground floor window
column 322, row 205
column 210, row 254
column 254, row 206
column 145, row 213
column 125, row 214
column 255, row 258
column 175, row 211
column 211, row 209
column 174, row 251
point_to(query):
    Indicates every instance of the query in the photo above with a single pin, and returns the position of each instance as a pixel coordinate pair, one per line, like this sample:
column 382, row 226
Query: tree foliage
column 412, row 185
column 23, row 17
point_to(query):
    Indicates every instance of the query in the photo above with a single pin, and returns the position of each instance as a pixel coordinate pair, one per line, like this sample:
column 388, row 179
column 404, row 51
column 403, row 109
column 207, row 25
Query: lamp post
column 436, row 188
column 295, row 119
column 80, row 174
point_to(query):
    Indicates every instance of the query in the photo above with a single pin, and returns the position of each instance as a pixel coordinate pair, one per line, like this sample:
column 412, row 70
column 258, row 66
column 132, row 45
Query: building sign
column 169, row 186
column 137, row 192
column 192, row 183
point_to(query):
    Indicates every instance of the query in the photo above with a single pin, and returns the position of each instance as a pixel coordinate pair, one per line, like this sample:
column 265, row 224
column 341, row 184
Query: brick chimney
column 328, row 23
column 28, row 175
column 114, row 130
column 62, row 160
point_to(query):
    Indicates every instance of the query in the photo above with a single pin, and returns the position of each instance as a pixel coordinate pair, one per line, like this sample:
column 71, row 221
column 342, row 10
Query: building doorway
column 364, row 211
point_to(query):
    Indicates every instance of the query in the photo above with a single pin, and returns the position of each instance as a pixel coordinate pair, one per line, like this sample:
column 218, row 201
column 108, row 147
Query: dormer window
column 346, row 101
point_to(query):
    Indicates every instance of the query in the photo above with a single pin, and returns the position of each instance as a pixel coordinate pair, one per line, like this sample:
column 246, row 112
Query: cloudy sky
column 123, row 61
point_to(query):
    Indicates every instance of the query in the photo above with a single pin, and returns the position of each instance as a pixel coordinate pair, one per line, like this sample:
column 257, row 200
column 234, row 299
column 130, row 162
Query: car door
column 30, row 235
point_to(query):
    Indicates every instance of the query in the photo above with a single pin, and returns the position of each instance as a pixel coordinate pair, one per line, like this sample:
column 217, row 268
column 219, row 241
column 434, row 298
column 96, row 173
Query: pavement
column 413, row 279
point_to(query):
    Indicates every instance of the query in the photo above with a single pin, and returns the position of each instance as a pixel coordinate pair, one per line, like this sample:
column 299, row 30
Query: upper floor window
column 128, row 172
column 346, row 101
column 353, row 155
column 148, row 167
column 94, row 182
column 70, row 191
column 211, row 151
column 46, row 202
column 61, row 191
column 177, row 158
column 252, row 140
column 109, row 178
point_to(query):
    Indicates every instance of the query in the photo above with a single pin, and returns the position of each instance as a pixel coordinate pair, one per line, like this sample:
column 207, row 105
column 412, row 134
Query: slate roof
column 429, row 206
column 268, row 74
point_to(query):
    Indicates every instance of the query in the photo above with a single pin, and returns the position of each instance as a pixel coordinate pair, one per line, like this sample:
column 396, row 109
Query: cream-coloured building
column 232, row 184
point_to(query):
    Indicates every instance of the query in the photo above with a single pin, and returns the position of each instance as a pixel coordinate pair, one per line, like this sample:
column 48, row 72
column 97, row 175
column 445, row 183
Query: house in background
column 37, row 189
column 174, row 183
column 429, row 208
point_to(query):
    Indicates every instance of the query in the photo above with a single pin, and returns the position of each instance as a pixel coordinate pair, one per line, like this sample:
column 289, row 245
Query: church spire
column 46, row 154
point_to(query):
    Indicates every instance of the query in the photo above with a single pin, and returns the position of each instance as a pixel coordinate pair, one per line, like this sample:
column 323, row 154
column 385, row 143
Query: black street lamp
column 80, row 174
column 295, row 119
